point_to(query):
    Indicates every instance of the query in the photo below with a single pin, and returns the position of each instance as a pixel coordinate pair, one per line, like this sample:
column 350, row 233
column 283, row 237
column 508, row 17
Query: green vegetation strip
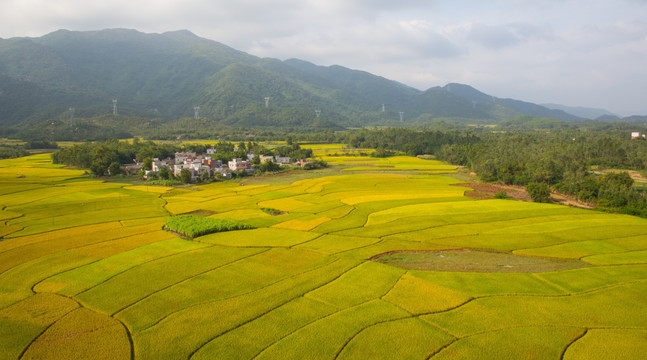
column 474, row 261
column 194, row 226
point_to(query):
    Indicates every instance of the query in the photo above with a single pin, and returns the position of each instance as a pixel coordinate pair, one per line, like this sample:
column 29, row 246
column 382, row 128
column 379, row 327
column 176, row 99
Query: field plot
column 383, row 259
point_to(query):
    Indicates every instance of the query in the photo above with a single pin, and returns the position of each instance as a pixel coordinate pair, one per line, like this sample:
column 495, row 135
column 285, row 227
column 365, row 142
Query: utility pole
column 72, row 121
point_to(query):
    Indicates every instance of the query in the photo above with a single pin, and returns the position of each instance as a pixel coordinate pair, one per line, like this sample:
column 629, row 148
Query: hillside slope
column 162, row 77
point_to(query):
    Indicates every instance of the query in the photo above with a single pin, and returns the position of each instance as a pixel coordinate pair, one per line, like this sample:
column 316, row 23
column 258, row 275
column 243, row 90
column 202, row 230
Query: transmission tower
column 401, row 116
column 317, row 112
column 72, row 121
column 196, row 112
column 267, row 101
column 383, row 108
column 114, row 106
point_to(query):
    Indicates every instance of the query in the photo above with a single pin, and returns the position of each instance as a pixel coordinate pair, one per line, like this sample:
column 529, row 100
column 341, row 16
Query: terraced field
column 349, row 268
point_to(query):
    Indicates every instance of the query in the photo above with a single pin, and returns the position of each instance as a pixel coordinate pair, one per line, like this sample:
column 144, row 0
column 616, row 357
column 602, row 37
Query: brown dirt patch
column 483, row 191
column 203, row 213
column 467, row 260
column 487, row 191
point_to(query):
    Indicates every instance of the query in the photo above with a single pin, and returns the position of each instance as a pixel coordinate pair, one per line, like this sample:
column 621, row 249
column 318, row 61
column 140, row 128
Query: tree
column 148, row 163
column 269, row 166
column 98, row 168
column 256, row 160
column 539, row 192
column 501, row 195
column 114, row 168
column 164, row 173
column 185, row 176
column 205, row 176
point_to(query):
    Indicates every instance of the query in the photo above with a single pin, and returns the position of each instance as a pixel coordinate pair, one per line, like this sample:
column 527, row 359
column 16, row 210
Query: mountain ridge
column 164, row 76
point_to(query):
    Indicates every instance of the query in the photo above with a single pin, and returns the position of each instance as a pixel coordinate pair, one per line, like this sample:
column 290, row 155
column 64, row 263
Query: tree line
column 582, row 162
column 571, row 162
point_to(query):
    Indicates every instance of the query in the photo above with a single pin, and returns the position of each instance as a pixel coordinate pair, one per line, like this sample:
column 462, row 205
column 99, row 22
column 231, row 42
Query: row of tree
column 569, row 161
column 106, row 157
column 19, row 150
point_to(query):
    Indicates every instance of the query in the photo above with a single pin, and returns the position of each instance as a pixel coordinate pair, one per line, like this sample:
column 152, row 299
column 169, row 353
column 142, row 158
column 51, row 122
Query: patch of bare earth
column 483, row 191
column 487, row 191
column 203, row 213
column 467, row 260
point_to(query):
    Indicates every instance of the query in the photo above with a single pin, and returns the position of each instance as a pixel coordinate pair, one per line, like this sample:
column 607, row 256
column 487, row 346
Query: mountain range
column 161, row 78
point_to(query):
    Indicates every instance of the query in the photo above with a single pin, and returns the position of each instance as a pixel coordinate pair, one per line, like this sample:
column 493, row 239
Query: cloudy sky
column 589, row 53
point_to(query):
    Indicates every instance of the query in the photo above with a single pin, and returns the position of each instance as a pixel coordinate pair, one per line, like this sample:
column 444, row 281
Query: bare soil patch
column 487, row 191
column 482, row 191
column 467, row 260
column 203, row 213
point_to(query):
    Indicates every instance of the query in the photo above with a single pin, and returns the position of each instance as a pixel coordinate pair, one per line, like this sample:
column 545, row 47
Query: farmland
column 373, row 258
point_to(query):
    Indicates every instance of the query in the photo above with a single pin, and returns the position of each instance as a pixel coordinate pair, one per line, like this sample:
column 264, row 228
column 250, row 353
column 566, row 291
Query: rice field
column 373, row 258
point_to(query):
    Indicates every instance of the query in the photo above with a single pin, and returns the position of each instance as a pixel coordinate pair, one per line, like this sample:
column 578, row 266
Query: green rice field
column 372, row 258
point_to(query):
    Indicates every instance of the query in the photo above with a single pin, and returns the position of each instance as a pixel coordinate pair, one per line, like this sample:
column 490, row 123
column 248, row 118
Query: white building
column 157, row 164
column 265, row 158
column 181, row 157
column 238, row 164
column 282, row 160
column 177, row 169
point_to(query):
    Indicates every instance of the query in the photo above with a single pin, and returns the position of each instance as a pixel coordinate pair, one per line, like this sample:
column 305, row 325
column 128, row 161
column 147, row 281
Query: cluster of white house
column 204, row 165
column 637, row 135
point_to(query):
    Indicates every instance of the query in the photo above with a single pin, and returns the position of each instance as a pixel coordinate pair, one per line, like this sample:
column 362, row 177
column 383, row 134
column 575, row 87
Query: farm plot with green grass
column 385, row 259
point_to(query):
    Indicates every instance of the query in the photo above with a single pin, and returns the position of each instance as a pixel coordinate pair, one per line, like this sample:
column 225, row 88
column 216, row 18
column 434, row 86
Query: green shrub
column 539, row 192
column 501, row 195
column 194, row 226
column 272, row 211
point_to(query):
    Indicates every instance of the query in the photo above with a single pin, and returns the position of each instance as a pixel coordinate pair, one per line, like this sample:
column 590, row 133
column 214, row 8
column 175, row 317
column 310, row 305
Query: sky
column 590, row 53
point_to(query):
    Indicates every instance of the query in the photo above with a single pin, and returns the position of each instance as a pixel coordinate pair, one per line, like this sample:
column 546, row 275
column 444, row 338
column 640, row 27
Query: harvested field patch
column 487, row 191
column 474, row 261
column 203, row 213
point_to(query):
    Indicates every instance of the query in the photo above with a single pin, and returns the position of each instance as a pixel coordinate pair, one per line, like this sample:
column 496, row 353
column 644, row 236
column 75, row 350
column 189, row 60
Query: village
column 207, row 165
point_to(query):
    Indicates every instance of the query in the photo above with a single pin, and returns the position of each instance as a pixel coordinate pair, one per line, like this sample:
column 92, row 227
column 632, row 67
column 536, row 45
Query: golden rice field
column 384, row 259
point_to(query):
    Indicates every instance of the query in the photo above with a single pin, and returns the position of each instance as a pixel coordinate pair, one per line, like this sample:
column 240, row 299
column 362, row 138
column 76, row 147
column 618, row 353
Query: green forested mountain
column 160, row 78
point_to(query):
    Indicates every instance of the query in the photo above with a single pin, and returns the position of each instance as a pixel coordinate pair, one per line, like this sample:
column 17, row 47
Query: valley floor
column 86, row 270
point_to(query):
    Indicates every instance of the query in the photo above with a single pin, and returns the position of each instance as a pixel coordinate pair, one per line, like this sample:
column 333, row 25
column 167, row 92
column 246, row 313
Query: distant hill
column 506, row 108
column 583, row 112
column 162, row 77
